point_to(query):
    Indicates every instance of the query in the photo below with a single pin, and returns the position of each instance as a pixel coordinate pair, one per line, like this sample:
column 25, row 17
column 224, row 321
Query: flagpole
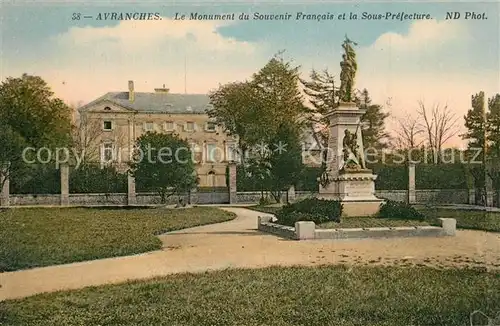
column 485, row 156
column 185, row 73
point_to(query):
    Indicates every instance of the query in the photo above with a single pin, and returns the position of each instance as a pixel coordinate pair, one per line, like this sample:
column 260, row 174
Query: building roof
column 157, row 102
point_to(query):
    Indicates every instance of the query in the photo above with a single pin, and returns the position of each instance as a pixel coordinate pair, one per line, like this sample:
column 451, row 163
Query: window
column 211, row 126
column 196, row 153
column 107, row 152
column 107, row 108
column 232, row 152
column 149, row 126
column 169, row 126
column 107, row 125
column 211, row 152
column 190, row 126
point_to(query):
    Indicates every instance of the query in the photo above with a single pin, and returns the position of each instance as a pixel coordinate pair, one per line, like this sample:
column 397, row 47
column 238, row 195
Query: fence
column 67, row 186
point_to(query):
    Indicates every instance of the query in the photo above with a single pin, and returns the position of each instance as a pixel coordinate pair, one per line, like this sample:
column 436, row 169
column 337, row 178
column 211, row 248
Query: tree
column 440, row 125
column 87, row 135
column 408, row 133
column 257, row 110
column 163, row 163
column 254, row 109
column 30, row 116
column 493, row 130
column 372, row 122
column 476, row 124
column 493, row 125
column 235, row 107
column 285, row 160
column 323, row 96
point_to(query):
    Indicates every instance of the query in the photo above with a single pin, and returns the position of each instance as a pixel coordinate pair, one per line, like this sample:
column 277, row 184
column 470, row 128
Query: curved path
column 237, row 244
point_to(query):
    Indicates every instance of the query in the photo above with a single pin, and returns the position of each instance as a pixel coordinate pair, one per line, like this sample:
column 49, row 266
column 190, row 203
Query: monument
column 346, row 177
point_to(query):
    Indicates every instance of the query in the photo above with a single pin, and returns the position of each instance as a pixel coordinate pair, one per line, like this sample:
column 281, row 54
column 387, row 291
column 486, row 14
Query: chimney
column 131, row 95
column 162, row 89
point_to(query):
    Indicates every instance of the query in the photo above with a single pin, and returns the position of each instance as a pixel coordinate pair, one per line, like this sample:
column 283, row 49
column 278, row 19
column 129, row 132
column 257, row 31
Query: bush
column 399, row 210
column 290, row 218
column 311, row 209
column 264, row 201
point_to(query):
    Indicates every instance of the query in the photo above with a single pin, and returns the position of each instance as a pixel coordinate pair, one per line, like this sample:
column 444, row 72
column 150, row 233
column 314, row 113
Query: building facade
column 113, row 122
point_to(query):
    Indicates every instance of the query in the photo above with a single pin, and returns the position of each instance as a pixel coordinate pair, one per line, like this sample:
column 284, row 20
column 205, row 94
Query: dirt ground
column 237, row 244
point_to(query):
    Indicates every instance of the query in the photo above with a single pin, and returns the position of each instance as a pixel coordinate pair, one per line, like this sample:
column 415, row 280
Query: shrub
column 290, row 218
column 399, row 210
column 310, row 209
column 264, row 201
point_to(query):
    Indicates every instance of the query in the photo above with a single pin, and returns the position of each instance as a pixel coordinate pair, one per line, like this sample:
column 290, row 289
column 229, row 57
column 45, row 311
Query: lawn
column 370, row 222
column 35, row 237
column 352, row 222
column 333, row 295
column 467, row 219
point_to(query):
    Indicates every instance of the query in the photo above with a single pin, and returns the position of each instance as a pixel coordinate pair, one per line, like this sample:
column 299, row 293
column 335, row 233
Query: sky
column 436, row 61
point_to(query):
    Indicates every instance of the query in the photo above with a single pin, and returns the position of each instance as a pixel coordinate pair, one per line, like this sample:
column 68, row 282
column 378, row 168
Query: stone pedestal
column 412, row 196
column 64, row 169
column 4, row 191
column 233, row 196
column 291, row 194
column 355, row 188
column 131, row 195
column 356, row 191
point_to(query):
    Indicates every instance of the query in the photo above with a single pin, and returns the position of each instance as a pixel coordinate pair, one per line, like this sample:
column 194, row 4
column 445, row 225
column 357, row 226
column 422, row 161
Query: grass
column 370, row 222
column 466, row 219
column 35, row 237
column 334, row 295
column 352, row 222
column 264, row 209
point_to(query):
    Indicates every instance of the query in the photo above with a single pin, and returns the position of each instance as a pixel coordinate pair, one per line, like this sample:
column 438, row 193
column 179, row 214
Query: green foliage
column 372, row 123
column 290, row 218
column 312, row 209
column 263, row 201
column 443, row 176
column 30, row 116
column 398, row 210
column 308, row 179
column 36, row 179
column 166, row 165
column 285, row 160
column 391, row 177
column 94, row 179
column 265, row 112
column 475, row 122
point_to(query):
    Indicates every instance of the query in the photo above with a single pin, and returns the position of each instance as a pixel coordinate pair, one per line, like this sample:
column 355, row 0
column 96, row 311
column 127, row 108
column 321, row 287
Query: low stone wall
column 25, row 200
column 308, row 231
column 265, row 224
column 216, row 197
column 250, row 197
column 441, row 196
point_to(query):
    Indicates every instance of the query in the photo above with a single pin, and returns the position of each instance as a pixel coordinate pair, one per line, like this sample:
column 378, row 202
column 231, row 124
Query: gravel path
column 237, row 244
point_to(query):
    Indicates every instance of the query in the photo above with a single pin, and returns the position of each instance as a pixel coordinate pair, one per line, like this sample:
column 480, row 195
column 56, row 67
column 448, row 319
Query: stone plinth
column 356, row 191
column 355, row 188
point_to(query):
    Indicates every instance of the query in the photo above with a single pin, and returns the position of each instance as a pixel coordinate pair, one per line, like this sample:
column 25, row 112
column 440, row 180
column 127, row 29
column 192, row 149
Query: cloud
column 189, row 55
column 424, row 35
column 429, row 63
column 135, row 35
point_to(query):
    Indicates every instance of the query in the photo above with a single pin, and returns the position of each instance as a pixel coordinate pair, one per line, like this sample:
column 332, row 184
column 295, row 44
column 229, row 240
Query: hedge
column 390, row 177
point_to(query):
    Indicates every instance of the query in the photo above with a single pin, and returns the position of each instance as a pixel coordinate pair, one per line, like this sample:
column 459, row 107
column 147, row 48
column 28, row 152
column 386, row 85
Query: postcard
column 249, row 162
